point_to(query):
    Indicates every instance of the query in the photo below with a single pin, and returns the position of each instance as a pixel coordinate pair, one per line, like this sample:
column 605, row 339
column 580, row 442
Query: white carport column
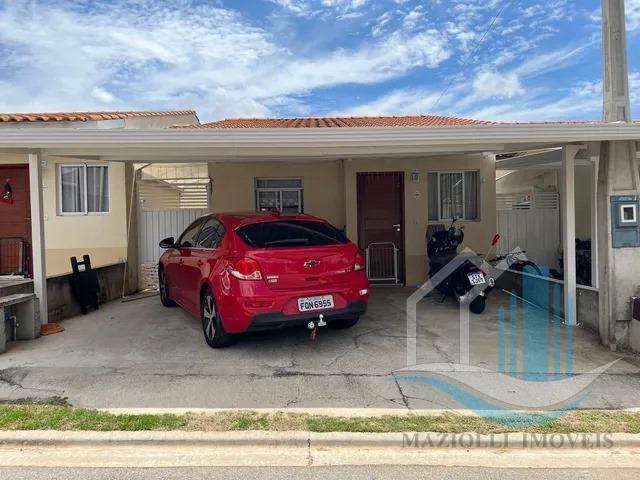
column 569, row 231
column 37, row 234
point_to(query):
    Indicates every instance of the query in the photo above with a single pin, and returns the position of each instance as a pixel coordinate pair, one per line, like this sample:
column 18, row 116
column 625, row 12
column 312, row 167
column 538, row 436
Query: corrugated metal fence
column 153, row 226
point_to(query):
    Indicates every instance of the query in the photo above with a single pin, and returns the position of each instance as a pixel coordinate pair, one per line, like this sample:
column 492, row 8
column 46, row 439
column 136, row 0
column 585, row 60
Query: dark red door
column 15, row 219
column 381, row 221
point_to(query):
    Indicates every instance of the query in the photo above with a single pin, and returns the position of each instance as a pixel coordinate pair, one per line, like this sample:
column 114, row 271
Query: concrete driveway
column 140, row 354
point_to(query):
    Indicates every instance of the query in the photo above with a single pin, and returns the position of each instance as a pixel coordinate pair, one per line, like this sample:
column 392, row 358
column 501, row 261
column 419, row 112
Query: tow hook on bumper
column 313, row 326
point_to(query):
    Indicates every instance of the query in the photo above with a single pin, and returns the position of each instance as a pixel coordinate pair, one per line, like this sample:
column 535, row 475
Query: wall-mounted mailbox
column 625, row 225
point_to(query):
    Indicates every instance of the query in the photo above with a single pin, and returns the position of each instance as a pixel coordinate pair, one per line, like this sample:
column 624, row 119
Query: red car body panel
column 288, row 273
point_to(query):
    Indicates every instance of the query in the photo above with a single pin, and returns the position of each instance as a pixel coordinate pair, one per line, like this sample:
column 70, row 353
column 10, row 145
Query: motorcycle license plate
column 308, row 304
column 476, row 278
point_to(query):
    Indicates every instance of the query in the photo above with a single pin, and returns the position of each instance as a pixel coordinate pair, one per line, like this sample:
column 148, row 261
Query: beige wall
column 101, row 236
column 330, row 192
column 323, row 184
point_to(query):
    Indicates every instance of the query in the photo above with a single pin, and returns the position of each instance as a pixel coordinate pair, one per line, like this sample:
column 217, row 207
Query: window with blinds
column 453, row 195
column 83, row 189
column 283, row 194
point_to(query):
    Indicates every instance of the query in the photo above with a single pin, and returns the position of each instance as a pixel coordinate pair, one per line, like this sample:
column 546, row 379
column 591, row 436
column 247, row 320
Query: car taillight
column 246, row 269
column 359, row 262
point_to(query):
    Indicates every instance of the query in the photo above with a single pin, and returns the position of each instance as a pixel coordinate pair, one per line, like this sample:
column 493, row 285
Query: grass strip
column 53, row 417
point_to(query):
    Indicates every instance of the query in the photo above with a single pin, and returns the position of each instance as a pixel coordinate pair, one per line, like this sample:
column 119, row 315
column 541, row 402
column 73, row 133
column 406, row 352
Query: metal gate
column 153, row 226
column 382, row 262
column 530, row 222
column 170, row 197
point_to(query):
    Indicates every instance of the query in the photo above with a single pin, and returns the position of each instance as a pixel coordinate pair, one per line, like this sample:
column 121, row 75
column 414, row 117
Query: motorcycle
column 442, row 248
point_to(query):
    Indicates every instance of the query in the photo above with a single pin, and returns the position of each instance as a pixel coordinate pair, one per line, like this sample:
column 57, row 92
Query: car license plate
column 322, row 302
column 476, row 278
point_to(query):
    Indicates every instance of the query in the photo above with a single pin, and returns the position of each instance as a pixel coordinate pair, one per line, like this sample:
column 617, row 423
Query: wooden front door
column 381, row 222
column 15, row 220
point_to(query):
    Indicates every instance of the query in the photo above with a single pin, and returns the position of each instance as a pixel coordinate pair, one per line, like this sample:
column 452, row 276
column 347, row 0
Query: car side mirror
column 168, row 242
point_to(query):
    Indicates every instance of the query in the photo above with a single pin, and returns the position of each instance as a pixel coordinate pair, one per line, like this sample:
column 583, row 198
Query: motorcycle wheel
column 478, row 305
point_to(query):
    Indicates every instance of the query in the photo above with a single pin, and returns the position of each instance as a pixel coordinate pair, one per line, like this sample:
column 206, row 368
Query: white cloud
column 633, row 14
column 310, row 8
column 344, row 4
column 496, row 85
column 102, row 95
column 146, row 55
column 414, row 18
column 582, row 101
column 503, row 96
column 297, row 7
column 551, row 61
column 397, row 102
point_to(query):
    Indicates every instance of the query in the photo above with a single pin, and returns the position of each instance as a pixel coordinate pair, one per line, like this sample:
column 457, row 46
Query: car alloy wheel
column 209, row 316
column 214, row 333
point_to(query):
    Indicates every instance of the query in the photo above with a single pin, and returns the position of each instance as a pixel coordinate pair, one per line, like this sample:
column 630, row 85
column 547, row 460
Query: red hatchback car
column 257, row 271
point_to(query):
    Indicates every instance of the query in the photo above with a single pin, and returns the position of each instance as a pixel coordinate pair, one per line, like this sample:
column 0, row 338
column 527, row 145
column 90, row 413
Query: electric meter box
column 625, row 227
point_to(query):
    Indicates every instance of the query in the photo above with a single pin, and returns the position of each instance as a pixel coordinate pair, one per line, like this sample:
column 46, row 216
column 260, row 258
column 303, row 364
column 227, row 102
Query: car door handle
column 396, row 226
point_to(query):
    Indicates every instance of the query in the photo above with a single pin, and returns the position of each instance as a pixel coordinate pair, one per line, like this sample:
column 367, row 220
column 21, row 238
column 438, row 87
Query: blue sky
column 240, row 58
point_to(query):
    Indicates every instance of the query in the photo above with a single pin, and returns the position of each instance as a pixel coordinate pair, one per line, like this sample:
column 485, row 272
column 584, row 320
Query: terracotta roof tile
column 86, row 116
column 337, row 122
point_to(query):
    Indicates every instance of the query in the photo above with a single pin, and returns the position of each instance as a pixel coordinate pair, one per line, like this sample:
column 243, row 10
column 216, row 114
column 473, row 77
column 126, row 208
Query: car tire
column 343, row 323
column 212, row 328
column 478, row 305
column 165, row 299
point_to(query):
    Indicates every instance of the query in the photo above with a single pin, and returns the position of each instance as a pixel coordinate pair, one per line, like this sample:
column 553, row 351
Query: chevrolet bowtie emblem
column 311, row 263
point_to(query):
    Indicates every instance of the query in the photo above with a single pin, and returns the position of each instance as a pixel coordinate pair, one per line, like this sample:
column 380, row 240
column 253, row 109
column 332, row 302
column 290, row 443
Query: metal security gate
column 530, row 222
column 382, row 262
column 170, row 197
column 153, row 226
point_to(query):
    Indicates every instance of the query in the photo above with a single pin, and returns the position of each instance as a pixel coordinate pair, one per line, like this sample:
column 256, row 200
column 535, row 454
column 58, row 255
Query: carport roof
column 268, row 143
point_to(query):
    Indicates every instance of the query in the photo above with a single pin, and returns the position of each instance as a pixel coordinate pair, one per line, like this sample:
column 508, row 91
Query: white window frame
column 86, row 211
column 635, row 213
column 299, row 190
column 464, row 212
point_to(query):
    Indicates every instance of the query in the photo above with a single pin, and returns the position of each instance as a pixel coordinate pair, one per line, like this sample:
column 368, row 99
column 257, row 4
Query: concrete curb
column 301, row 439
column 223, row 439
column 331, row 412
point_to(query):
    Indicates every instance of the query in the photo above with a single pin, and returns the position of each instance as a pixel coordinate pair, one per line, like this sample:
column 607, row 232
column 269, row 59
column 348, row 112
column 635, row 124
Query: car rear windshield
column 291, row 233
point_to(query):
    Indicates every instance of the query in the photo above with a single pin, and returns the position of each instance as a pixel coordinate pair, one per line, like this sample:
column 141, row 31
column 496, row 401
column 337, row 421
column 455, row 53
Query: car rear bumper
column 276, row 320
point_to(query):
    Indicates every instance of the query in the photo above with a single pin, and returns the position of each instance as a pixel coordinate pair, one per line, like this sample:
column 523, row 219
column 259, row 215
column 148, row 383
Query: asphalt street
column 326, row 473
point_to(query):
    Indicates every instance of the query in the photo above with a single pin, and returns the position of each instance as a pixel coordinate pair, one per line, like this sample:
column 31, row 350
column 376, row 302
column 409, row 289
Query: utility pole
column 618, row 181
column 615, row 85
